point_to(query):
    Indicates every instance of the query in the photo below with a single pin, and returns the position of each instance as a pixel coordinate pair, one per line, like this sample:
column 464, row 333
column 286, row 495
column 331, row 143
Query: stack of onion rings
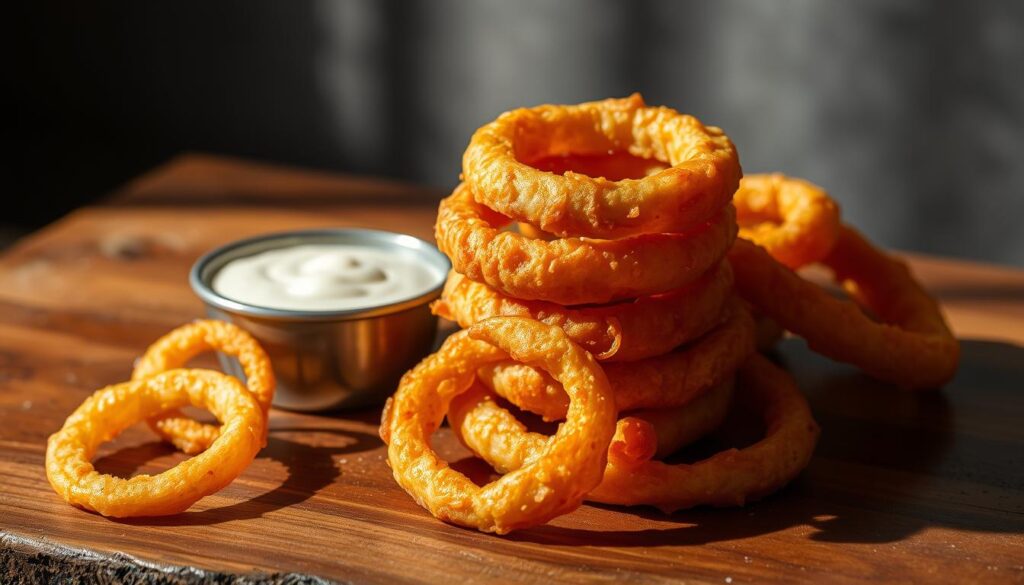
column 156, row 392
column 626, row 261
column 625, row 213
column 624, row 306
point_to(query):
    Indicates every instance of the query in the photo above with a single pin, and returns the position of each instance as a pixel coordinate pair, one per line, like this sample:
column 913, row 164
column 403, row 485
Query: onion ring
column 675, row 428
column 574, row 271
column 729, row 478
column 555, row 482
column 176, row 348
column 733, row 477
column 703, row 175
column 664, row 381
column 624, row 331
column 912, row 347
column 796, row 221
column 113, row 409
column 494, row 434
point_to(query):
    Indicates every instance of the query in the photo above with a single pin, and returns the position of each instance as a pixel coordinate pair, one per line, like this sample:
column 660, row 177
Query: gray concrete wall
column 911, row 112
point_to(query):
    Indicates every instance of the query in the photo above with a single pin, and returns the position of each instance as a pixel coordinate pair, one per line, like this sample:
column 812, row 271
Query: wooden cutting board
column 904, row 487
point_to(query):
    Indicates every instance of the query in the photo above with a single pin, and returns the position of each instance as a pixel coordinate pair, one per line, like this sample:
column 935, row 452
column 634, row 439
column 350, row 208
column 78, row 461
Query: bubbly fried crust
column 624, row 331
column 668, row 380
column 552, row 484
column 703, row 174
column 729, row 478
column 111, row 410
column 574, row 271
column 795, row 220
column 495, row 435
column 912, row 347
column 733, row 477
column 176, row 348
column 675, row 428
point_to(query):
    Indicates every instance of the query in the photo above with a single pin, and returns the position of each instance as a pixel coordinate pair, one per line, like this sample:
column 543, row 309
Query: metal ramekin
column 330, row 359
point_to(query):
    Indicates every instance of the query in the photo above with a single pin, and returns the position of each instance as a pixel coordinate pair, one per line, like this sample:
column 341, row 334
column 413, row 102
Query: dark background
column 910, row 112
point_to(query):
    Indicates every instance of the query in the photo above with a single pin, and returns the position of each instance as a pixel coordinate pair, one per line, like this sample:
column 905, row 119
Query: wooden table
column 904, row 487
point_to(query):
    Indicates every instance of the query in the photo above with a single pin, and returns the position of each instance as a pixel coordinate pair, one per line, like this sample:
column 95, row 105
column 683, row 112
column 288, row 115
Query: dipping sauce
column 324, row 277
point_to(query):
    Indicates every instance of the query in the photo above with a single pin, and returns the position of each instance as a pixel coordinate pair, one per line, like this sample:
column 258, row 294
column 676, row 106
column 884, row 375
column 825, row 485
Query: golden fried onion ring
column 555, row 482
column 573, row 271
column 113, row 409
column 912, row 346
column 729, row 478
column 176, row 348
column 664, row 381
column 703, row 175
column 796, row 221
column 495, row 435
column 677, row 427
column 624, row 331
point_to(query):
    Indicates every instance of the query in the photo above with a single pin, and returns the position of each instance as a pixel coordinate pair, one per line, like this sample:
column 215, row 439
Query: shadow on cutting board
column 889, row 463
column 317, row 462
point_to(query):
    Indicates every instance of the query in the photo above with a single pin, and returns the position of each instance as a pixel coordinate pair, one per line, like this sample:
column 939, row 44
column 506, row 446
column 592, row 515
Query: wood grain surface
column 904, row 487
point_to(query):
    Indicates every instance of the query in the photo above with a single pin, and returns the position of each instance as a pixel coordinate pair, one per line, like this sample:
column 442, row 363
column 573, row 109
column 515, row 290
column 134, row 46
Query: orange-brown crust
column 912, row 346
column 552, row 484
column 574, row 271
column 624, row 331
column 795, row 220
column 176, row 348
column 703, row 174
column 495, row 435
column 733, row 477
column 668, row 380
column 113, row 409
column 633, row 477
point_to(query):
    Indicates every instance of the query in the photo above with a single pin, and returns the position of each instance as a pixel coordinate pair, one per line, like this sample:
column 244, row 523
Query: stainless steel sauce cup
column 330, row 359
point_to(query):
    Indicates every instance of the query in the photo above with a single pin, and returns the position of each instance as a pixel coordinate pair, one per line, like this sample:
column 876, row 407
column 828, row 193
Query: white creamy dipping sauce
column 324, row 277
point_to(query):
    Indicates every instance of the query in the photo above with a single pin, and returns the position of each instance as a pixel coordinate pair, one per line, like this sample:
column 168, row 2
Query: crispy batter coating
column 729, row 478
column 733, row 477
column 703, row 174
column 496, row 436
column 574, row 271
column 912, row 346
column 675, row 428
column 176, row 348
column 111, row 410
column 668, row 380
column 624, row 331
column 796, row 221
column 555, row 482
